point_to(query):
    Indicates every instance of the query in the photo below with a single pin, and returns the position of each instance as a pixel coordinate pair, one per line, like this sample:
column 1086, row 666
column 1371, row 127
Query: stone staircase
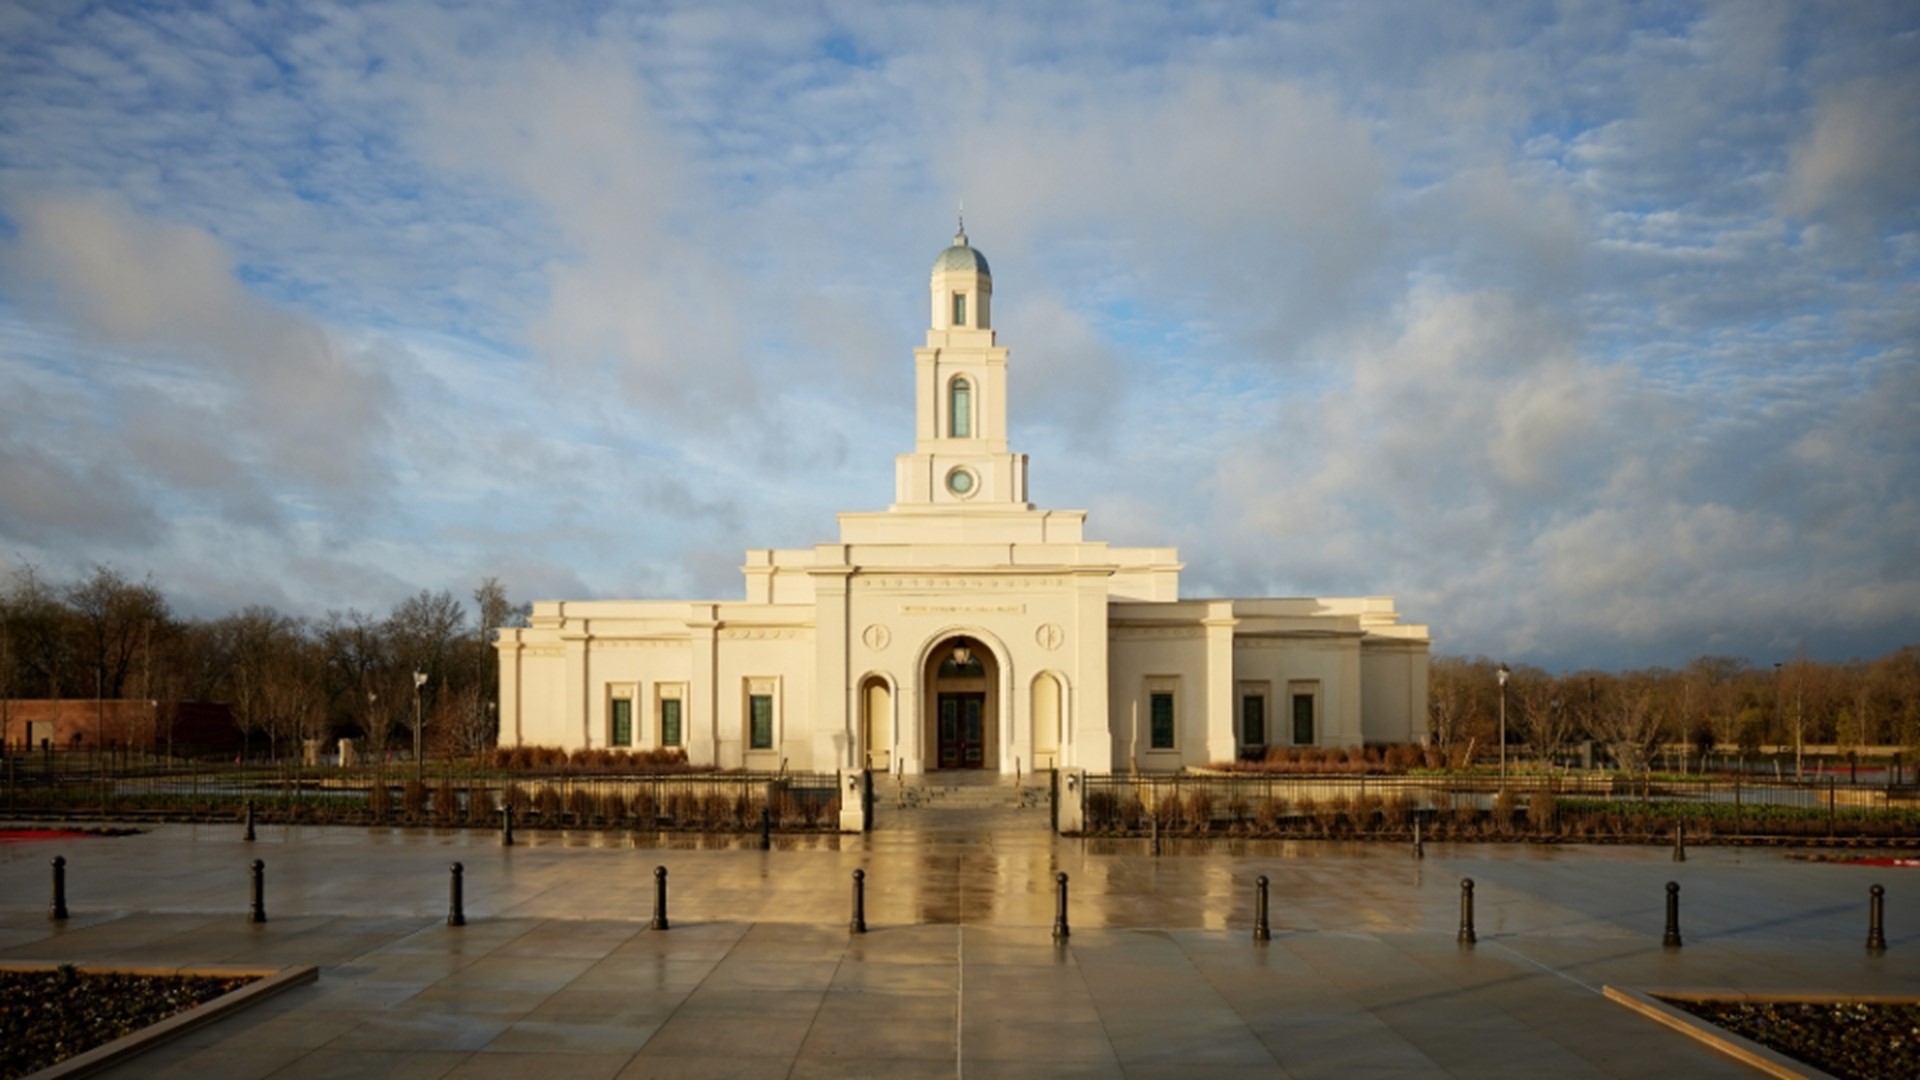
column 971, row 801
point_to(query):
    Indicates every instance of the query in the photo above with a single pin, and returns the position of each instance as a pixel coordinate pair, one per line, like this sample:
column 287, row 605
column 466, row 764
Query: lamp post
column 419, row 680
column 1504, row 672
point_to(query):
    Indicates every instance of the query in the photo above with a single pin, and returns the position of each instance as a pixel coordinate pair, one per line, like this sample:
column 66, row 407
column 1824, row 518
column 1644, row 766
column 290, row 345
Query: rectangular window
column 760, row 722
column 959, row 309
column 622, row 723
column 1253, row 720
column 670, row 722
column 1302, row 719
column 1160, row 713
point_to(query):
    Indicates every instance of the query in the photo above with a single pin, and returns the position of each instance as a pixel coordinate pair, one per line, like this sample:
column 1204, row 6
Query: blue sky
column 1589, row 331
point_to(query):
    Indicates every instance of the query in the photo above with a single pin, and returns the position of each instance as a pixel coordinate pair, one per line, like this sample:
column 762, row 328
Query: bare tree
column 1548, row 722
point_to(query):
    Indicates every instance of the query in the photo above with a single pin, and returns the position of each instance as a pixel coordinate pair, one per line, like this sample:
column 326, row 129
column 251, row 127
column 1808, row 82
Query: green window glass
column 1303, row 719
column 962, row 409
column 760, row 722
column 1161, row 710
column 622, row 722
column 670, row 722
column 959, row 309
column 1253, row 721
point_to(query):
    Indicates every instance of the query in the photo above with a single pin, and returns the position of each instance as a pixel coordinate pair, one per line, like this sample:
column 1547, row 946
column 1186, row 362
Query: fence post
column 1876, row 912
column 506, row 824
column 1671, row 939
column 58, row 909
column 1419, row 851
column 259, row 912
column 1261, row 932
column 1466, row 935
column 859, row 923
column 1060, row 931
column 456, row 896
column 660, row 898
column 766, row 827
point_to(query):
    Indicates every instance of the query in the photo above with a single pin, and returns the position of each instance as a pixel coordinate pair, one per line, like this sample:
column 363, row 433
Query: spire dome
column 962, row 255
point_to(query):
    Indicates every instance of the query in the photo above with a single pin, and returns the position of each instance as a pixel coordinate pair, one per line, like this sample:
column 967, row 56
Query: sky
column 1589, row 331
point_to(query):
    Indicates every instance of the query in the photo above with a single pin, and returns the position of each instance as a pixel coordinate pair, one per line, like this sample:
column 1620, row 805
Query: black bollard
column 259, row 913
column 1419, row 852
column 660, row 898
column 859, row 923
column 1466, row 935
column 1679, row 842
column 1060, row 930
column 1153, row 824
column 506, row 826
column 249, row 819
column 456, row 898
column 1671, row 939
column 766, row 828
column 1260, row 930
column 58, row 909
column 1876, row 911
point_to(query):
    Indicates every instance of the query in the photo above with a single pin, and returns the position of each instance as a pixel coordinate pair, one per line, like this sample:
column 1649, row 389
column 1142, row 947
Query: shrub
column 1307, row 807
column 444, row 800
column 1199, row 811
column 644, row 811
column 1333, row 811
column 379, row 801
column 1504, row 805
column 1540, row 809
column 1166, row 809
column 1270, row 813
column 1103, row 810
column 515, row 796
column 1366, row 808
column 683, row 809
column 548, row 804
column 1396, row 810
column 613, row 806
column 413, row 799
column 580, row 805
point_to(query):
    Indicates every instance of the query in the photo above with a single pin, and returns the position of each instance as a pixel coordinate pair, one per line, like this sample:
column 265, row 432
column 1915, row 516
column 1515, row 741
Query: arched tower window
column 960, row 409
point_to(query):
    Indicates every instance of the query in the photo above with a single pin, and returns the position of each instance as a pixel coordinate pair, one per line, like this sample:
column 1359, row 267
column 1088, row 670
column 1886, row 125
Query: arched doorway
column 876, row 723
column 1047, row 716
column 963, row 707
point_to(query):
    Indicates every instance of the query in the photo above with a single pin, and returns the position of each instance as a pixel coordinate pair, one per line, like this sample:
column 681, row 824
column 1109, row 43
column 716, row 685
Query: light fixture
column 962, row 656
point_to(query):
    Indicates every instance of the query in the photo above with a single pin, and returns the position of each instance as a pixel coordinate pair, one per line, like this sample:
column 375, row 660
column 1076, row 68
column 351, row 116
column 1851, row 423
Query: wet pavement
column 557, row 970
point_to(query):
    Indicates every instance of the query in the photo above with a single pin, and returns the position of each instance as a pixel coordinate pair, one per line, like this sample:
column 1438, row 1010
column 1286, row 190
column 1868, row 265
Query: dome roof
column 961, row 256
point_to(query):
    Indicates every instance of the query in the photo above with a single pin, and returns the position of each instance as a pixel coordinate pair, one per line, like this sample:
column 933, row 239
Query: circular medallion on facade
column 1049, row 636
column 961, row 482
column 876, row 637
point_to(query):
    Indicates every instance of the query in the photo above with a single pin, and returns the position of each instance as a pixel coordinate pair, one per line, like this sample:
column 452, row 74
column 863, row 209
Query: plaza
column 557, row 971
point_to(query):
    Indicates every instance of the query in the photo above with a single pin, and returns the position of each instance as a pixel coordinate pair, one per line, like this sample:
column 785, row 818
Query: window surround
column 1162, row 740
column 767, row 687
column 1250, row 691
column 676, row 693
column 618, row 695
column 1309, row 690
column 960, row 407
column 959, row 310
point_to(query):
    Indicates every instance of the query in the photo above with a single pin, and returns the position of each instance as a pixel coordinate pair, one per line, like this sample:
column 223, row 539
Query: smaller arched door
column 876, row 724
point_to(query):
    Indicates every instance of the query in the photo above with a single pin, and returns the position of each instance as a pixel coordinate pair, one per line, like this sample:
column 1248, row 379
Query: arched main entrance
column 962, row 679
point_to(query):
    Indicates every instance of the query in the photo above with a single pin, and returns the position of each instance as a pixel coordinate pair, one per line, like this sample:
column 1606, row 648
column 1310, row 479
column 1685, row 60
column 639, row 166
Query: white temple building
column 963, row 628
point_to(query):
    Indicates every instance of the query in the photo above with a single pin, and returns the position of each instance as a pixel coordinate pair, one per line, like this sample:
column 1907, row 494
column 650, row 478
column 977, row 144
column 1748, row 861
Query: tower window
column 959, row 309
column 961, row 409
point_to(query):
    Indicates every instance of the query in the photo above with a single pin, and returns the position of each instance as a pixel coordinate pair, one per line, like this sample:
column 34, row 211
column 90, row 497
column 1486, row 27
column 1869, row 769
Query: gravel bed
column 1857, row 1040
column 49, row 1016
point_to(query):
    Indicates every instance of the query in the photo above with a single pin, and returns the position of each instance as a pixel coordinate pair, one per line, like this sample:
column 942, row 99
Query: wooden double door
column 962, row 730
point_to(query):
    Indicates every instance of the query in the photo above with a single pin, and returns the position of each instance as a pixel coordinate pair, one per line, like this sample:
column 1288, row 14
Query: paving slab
column 557, row 970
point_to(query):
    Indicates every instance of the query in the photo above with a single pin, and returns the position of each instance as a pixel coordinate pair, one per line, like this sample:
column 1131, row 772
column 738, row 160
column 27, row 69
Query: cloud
column 1859, row 161
column 170, row 295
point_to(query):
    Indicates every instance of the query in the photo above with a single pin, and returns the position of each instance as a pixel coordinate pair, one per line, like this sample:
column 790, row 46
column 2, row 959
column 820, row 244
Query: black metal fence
column 446, row 794
column 1566, row 807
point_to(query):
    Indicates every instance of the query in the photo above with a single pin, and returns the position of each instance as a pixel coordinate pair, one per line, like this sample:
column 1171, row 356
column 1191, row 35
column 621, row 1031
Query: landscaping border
column 1649, row 1003
column 270, row 981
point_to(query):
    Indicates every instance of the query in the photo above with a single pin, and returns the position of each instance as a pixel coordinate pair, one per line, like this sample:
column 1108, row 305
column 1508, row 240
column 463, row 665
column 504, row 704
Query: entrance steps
column 961, row 800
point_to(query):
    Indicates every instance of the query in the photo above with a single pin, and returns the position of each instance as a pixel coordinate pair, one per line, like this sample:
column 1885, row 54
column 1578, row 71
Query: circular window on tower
column 962, row 482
